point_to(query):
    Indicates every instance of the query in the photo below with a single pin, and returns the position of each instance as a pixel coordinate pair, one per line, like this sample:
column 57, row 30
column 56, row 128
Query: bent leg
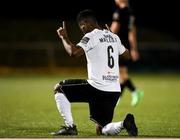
column 68, row 91
column 64, row 108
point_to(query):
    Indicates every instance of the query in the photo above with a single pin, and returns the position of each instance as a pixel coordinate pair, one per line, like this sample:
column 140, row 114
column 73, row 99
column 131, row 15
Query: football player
column 101, row 90
column 124, row 26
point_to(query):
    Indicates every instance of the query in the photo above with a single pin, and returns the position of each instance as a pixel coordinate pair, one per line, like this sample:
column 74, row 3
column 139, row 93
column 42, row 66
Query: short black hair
column 86, row 14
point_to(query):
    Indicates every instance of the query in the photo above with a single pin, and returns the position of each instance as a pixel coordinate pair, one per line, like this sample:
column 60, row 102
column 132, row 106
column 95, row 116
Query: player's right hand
column 134, row 55
column 62, row 32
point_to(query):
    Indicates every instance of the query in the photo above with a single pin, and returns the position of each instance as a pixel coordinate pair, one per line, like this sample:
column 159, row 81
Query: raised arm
column 70, row 48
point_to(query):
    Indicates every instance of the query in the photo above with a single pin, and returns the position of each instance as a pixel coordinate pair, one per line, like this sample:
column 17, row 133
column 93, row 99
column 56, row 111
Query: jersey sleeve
column 131, row 19
column 87, row 43
column 121, row 48
column 116, row 16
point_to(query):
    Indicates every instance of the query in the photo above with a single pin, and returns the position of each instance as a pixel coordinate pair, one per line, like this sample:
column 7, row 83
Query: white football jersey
column 102, row 49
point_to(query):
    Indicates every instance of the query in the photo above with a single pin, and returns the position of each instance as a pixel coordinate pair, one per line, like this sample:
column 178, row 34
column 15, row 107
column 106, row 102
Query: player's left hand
column 107, row 27
column 134, row 55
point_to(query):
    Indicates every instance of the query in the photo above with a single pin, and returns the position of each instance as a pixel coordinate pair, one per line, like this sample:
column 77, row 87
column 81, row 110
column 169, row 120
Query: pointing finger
column 64, row 25
column 107, row 27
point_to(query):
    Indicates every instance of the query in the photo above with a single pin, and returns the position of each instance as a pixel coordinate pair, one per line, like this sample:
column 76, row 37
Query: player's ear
column 82, row 27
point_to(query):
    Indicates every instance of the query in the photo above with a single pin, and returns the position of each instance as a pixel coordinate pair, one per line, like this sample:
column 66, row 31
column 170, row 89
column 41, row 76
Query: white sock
column 134, row 93
column 64, row 108
column 112, row 128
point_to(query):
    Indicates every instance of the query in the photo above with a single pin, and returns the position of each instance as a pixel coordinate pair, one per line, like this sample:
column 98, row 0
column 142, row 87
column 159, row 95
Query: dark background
column 157, row 14
column 28, row 35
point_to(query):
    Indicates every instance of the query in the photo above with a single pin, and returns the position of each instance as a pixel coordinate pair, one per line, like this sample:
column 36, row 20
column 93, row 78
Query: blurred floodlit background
column 28, row 39
column 32, row 60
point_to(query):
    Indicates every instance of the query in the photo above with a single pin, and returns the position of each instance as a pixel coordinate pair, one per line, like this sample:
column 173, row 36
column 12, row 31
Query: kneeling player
column 101, row 89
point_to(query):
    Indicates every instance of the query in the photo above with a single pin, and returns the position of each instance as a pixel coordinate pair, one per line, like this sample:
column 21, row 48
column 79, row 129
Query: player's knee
column 57, row 88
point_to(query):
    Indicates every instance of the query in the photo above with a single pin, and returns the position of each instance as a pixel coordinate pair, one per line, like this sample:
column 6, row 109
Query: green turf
column 27, row 107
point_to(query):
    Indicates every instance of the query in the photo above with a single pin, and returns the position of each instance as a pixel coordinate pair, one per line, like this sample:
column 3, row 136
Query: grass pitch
column 27, row 107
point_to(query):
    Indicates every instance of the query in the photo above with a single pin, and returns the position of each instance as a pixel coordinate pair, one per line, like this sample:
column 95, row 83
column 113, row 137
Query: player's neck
column 95, row 26
column 98, row 27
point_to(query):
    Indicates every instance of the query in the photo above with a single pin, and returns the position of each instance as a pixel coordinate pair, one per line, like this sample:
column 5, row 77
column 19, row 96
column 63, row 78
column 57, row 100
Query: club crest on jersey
column 85, row 40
